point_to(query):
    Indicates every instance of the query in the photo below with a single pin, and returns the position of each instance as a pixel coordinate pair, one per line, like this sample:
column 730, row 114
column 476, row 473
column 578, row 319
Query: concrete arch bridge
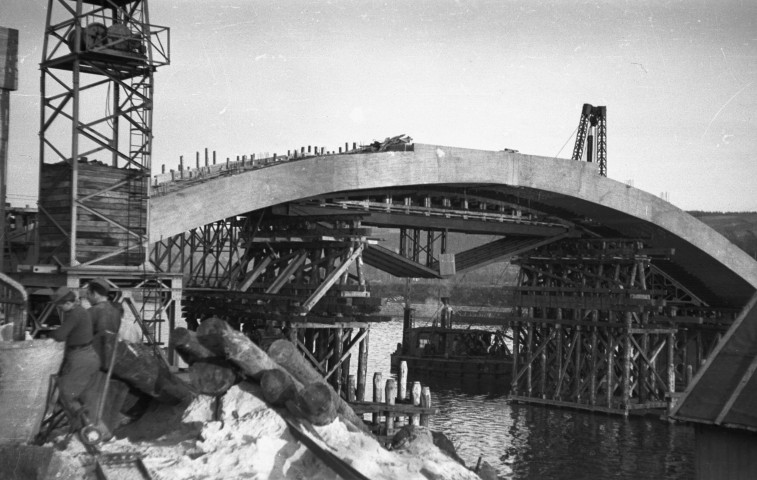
column 620, row 295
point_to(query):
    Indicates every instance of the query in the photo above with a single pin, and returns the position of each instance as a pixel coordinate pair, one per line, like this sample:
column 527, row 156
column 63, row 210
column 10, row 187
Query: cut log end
column 278, row 387
column 212, row 377
column 317, row 403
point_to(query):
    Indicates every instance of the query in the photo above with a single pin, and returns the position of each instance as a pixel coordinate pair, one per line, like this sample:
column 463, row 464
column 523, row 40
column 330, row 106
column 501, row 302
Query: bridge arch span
column 574, row 191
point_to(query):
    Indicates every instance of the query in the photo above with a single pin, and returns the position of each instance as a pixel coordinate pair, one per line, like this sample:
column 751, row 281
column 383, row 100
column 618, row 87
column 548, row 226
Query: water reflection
column 531, row 442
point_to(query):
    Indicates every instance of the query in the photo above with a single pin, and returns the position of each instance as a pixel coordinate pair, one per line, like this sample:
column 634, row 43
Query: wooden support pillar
column 402, row 394
column 671, row 377
column 643, row 367
column 594, row 359
column 610, row 356
column 416, row 396
column 391, row 396
column 345, row 367
column 362, row 366
column 322, row 345
column 426, row 403
column 529, row 349
column 577, row 373
column 378, row 393
column 559, row 355
column 627, row 360
column 335, row 359
column 543, row 363
column 352, row 389
column 516, row 358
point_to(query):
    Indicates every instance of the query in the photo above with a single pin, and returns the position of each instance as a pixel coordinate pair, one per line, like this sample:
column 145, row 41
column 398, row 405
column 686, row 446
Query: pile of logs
column 139, row 366
column 217, row 355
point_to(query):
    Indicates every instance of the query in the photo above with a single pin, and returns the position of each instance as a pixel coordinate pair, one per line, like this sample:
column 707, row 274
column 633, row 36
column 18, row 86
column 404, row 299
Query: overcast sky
column 677, row 77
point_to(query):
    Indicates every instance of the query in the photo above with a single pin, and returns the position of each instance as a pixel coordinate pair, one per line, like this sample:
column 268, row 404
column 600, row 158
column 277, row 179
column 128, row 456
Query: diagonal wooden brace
column 331, row 279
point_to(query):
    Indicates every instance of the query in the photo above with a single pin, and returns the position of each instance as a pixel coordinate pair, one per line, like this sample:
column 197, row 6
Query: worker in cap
column 80, row 362
column 105, row 316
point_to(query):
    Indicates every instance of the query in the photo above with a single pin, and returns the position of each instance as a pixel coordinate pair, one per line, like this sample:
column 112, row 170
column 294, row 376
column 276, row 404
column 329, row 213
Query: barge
column 477, row 359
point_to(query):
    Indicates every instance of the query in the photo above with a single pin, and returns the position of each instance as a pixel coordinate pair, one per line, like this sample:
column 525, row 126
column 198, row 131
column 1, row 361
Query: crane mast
column 594, row 123
column 96, row 85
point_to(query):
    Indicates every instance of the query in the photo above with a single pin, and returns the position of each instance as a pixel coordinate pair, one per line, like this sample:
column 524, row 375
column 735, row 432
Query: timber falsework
column 597, row 325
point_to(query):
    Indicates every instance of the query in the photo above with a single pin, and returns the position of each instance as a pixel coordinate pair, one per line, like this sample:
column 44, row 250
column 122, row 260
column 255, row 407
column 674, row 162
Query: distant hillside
column 738, row 227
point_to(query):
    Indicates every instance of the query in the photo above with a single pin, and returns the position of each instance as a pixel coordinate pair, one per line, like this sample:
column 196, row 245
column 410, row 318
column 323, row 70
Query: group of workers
column 84, row 333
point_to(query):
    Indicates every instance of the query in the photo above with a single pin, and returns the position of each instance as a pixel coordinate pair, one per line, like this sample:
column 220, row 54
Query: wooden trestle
column 282, row 277
column 598, row 325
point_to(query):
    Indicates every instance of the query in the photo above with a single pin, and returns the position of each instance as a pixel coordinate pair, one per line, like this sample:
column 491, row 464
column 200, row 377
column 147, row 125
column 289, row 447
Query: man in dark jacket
column 105, row 317
column 80, row 362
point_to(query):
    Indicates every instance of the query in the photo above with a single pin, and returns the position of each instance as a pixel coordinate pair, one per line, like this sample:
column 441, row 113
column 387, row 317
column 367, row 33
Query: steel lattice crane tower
column 594, row 122
column 99, row 57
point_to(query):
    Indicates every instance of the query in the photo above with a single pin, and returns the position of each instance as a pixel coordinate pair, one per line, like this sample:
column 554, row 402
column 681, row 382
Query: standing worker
column 105, row 317
column 107, row 393
column 80, row 362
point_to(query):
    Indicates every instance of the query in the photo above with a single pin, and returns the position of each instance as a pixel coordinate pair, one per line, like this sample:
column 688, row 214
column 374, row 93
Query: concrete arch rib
column 573, row 189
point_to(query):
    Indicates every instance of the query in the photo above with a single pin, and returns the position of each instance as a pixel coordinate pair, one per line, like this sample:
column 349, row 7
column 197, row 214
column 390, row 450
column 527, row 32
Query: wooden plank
column 586, row 303
column 339, row 466
column 406, row 408
column 584, row 289
column 737, row 391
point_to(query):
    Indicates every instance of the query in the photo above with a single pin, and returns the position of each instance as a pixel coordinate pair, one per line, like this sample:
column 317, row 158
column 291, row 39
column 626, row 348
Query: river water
column 535, row 442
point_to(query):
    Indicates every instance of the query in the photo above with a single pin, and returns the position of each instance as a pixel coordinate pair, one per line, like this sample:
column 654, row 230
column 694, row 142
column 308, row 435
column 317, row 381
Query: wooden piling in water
column 391, row 395
column 426, row 403
column 362, row 367
column 378, row 393
column 416, row 396
column 389, row 412
column 402, row 394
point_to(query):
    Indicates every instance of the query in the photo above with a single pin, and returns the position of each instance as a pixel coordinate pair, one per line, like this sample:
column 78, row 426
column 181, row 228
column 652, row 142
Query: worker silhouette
column 105, row 317
column 80, row 361
column 104, row 391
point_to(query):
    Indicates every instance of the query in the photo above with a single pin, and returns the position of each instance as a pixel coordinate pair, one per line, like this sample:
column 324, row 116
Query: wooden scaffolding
column 595, row 326
column 275, row 276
